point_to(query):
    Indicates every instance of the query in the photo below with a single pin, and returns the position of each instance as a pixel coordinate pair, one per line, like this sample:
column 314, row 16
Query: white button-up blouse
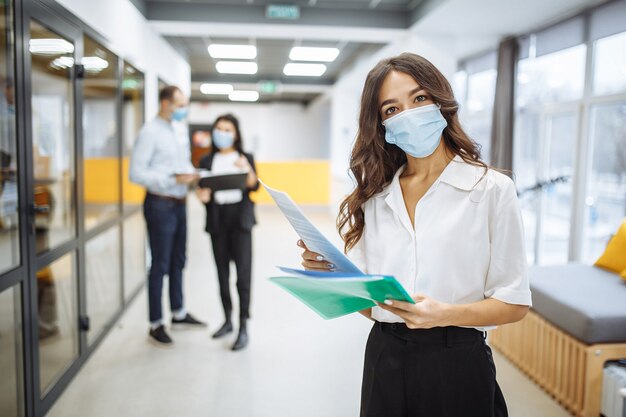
column 467, row 244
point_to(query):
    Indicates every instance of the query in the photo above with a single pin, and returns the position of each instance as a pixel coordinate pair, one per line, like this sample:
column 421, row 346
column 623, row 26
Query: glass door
column 50, row 107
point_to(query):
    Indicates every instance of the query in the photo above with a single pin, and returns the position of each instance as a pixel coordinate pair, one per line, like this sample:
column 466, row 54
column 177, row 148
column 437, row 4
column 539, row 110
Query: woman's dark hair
column 238, row 144
column 374, row 162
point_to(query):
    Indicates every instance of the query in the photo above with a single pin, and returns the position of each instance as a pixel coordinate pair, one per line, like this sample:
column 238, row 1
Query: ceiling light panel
column 305, row 53
column 208, row 88
column 304, row 70
column 244, row 95
column 222, row 51
column 236, row 67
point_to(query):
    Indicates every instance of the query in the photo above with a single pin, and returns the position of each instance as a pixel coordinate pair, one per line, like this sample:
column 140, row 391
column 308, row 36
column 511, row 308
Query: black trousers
column 231, row 242
column 439, row 372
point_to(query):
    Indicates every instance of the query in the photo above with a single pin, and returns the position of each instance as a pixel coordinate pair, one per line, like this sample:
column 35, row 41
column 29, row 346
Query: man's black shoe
column 160, row 338
column 187, row 321
column 242, row 340
column 226, row 328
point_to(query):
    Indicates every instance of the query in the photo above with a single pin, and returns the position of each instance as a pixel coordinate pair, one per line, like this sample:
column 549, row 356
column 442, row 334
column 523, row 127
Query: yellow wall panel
column 101, row 180
column 307, row 182
column 102, row 187
column 133, row 193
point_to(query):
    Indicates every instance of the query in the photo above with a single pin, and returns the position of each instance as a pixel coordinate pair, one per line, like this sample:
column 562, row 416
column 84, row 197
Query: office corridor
column 297, row 365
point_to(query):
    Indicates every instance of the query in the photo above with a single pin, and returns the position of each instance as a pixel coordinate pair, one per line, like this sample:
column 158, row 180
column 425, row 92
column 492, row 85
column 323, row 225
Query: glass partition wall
column 72, row 238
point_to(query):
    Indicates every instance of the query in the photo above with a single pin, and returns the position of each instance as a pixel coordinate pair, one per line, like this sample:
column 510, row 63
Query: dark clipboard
column 235, row 181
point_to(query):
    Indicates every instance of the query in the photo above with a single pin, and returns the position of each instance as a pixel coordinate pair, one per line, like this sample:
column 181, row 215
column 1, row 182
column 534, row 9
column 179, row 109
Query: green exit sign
column 268, row 87
column 280, row 11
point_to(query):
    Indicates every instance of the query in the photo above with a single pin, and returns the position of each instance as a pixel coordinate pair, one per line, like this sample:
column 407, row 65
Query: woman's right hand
column 312, row 261
column 204, row 194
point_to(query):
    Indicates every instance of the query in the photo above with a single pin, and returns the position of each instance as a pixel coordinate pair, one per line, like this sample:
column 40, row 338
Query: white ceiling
column 474, row 26
column 462, row 27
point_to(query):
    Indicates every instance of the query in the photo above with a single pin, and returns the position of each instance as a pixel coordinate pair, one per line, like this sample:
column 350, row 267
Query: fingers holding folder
column 204, row 194
column 313, row 261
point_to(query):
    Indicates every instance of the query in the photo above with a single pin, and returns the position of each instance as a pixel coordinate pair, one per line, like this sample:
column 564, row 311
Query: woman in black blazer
column 229, row 221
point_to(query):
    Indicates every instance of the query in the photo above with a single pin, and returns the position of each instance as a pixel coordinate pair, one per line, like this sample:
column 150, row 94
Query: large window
column 610, row 65
column 606, row 187
column 476, row 98
column 559, row 91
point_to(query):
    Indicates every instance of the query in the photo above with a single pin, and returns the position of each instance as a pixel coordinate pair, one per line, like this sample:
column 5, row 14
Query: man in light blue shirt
column 161, row 162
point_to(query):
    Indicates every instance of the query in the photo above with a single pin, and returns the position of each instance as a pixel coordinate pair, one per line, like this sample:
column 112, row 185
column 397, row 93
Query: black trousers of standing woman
column 231, row 242
column 438, row 372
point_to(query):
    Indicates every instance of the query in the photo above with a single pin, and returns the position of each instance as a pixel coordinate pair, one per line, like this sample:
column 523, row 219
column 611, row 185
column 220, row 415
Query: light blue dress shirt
column 160, row 151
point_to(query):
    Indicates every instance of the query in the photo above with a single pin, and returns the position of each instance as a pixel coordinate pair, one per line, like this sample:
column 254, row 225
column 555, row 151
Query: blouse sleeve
column 507, row 279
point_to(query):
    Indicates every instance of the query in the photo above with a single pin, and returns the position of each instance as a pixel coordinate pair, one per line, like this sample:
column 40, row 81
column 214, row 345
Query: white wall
column 133, row 39
column 274, row 131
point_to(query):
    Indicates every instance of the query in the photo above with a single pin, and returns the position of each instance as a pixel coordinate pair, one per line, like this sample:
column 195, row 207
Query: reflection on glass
column 609, row 64
column 53, row 137
column 58, row 319
column 101, row 140
column 481, row 89
column 559, row 76
column 132, row 120
column 606, row 189
column 11, row 370
column 9, row 236
column 557, row 198
column 134, row 254
column 104, row 283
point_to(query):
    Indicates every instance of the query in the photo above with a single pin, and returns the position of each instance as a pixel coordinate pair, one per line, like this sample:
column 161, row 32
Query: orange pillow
column 623, row 275
column 614, row 256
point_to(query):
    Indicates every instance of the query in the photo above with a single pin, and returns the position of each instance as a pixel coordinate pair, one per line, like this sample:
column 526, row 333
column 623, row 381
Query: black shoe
column 226, row 328
column 242, row 340
column 187, row 321
column 160, row 338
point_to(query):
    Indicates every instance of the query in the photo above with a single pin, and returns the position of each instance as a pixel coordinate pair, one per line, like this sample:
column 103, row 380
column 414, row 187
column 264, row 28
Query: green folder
column 336, row 297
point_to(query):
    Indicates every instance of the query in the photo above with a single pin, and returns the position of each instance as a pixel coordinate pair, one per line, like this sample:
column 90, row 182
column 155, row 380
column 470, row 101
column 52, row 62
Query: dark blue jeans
column 167, row 232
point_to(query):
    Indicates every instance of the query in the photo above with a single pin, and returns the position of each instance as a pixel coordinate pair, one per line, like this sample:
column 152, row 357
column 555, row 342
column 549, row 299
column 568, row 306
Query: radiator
column 614, row 390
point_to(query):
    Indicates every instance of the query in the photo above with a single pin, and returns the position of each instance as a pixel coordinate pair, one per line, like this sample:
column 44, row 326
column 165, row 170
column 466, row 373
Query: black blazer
column 247, row 218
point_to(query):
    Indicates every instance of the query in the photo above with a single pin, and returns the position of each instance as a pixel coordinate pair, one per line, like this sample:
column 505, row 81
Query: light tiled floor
column 296, row 364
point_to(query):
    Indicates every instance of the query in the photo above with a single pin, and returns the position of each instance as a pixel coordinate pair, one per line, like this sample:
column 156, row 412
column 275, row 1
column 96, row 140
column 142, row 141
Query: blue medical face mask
column 180, row 114
column 222, row 139
column 416, row 131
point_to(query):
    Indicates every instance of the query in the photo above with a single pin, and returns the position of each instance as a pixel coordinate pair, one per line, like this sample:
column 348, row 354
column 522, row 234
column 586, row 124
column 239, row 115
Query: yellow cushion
column 614, row 256
column 623, row 275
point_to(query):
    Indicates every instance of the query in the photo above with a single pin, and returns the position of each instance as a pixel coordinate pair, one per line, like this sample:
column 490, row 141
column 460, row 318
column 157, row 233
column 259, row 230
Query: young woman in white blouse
column 428, row 211
column 229, row 221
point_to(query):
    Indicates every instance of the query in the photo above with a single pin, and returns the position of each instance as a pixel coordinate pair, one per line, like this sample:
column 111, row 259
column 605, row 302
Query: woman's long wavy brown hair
column 374, row 162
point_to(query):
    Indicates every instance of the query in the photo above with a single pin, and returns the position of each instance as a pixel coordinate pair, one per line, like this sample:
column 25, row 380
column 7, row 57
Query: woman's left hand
column 243, row 163
column 424, row 314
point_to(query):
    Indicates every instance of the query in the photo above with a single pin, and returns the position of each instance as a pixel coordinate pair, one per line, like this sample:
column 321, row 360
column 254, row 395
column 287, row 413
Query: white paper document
column 205, row 173
column 310, row 235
